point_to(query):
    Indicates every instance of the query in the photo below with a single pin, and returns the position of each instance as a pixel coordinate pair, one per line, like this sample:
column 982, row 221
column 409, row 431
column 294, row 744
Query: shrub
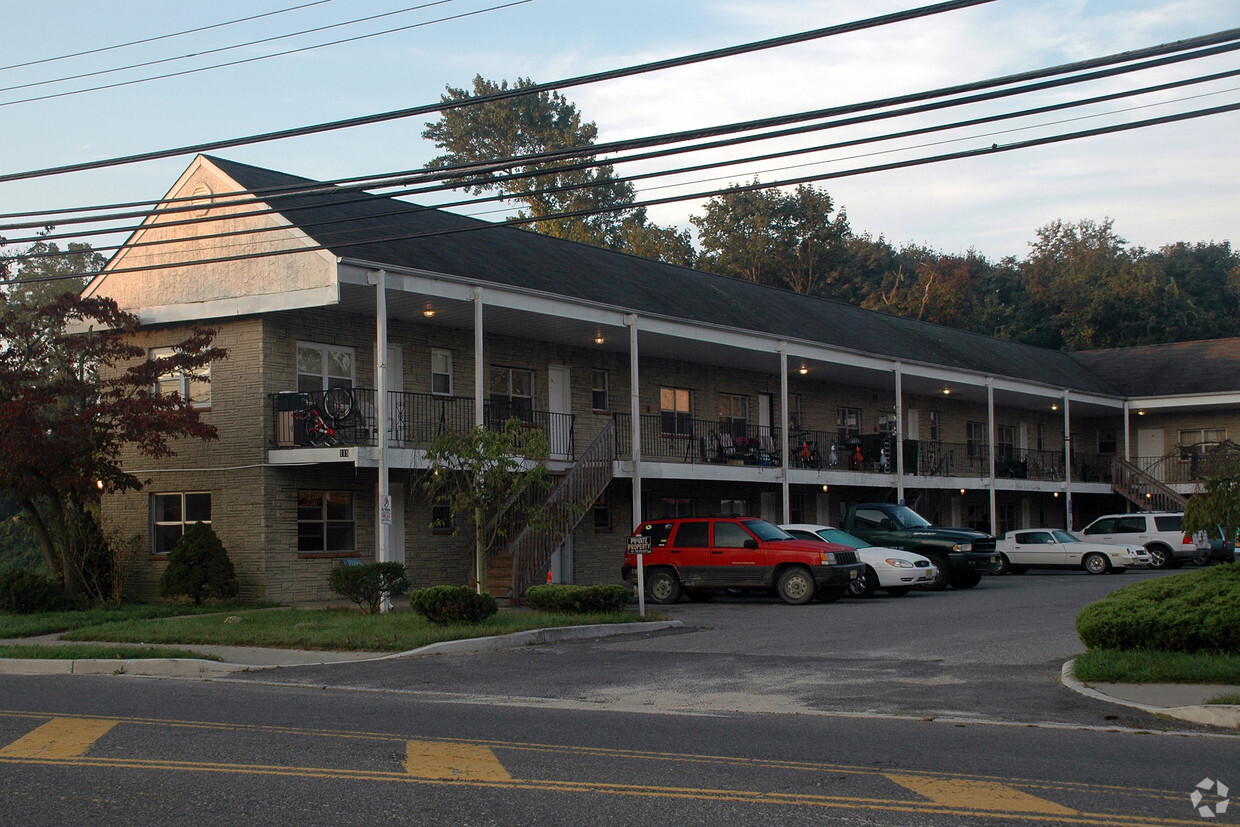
column 23, row 591
column 367, row 584
column 198, row 567
column 577, row 599
column 1194, row 612
column 453, row 604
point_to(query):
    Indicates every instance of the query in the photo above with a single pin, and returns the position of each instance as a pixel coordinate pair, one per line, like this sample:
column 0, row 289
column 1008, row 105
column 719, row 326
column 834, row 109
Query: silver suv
column 1161, row 532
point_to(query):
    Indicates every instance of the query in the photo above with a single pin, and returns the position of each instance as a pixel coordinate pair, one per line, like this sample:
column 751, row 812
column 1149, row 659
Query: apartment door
column 766, row 402
column 396, row 535
column 1149, row 447
column 394, row 381
column 560, row 405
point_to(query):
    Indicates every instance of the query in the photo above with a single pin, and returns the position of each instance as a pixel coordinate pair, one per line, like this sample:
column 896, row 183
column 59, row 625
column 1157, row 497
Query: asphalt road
column 933, row 709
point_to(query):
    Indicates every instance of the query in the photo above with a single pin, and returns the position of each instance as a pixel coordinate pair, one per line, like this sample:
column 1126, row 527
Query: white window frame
column 599, row 381
column 446, row 356
column 328, row 378
column 194, row 386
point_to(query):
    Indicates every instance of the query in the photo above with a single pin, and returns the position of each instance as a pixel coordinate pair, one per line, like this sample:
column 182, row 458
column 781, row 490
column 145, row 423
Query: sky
column 1159, row 185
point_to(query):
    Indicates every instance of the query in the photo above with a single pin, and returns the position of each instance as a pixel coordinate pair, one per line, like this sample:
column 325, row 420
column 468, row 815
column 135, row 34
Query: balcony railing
column 413, row 420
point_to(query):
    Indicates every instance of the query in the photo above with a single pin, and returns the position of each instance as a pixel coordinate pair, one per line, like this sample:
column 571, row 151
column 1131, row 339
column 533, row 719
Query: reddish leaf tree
column 75, row 391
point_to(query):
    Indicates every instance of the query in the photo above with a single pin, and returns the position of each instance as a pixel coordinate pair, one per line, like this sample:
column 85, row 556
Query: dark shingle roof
column 1211, row 366
column 378, row 229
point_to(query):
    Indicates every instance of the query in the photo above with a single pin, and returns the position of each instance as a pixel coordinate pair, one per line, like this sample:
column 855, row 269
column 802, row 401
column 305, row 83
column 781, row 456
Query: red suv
column 699, row 556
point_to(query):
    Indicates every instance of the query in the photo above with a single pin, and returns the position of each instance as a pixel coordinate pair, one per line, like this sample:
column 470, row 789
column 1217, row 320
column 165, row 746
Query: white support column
column 990, row 424
column 1067, row 462
column 1127, row 435
column 783, row 428
column 635, row 416
column 479, row 363
column 898, row 459
column 383, row 519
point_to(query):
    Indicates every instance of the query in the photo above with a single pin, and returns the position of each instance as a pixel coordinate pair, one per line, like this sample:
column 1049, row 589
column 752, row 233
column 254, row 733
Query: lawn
column 1133, row 666
column 96, row 651
column 326, row 629
column 46, row 623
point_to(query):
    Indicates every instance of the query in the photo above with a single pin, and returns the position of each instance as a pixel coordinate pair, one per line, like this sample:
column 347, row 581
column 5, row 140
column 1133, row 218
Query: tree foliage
column 1217, row 501
column 75, row 392
column 576, row 198
column 482, row 472
column 199, row 567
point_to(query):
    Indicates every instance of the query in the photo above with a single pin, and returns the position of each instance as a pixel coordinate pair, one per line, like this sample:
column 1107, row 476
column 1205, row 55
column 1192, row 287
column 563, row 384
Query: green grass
column 95, row 651
column 46, row 623
column 1231, row 699
column 1130, row 666
column 328, row 629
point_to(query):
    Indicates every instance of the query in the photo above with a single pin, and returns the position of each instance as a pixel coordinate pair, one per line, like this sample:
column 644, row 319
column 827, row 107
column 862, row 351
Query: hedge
column 453, row 604
column 568, row 599
column 1197, row 611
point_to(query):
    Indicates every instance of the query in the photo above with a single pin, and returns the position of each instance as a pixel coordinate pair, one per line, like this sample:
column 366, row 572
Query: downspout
column 1127, row 435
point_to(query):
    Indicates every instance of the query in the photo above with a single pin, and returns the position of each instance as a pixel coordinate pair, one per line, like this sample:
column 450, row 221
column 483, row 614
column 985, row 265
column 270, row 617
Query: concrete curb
column 1220, row 715
column 194, row 667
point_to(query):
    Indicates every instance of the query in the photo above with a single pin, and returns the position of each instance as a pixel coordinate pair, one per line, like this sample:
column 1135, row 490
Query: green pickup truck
column 961, row 554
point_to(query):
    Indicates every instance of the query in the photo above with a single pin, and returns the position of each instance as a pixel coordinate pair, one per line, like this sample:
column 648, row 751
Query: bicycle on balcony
column 321, row 420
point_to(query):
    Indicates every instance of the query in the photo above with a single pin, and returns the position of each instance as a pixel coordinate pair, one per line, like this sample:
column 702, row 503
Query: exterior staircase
column 1143, row 489
column 523, row 562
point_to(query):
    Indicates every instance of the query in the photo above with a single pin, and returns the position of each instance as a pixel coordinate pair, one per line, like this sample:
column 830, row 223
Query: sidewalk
column 1186, row 701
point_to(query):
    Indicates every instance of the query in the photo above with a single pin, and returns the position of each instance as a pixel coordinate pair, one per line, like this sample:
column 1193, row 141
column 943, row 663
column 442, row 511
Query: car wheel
column 1018, row 569
column 795, row 586
column 1096, row 563
column 663, row 586
column 864, row 585
column 830, row 594
column 965, row 579
column 1160, row 557
column 699, row 595
column 945, row 573
column 1004, row 565
column 897, row 591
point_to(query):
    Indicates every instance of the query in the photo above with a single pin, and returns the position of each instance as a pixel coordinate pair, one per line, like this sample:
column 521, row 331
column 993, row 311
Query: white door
column 765, row 403
column 1149, row 447
column 559, row 399
column 394, row 380
column 396, row 535
column 913, row 428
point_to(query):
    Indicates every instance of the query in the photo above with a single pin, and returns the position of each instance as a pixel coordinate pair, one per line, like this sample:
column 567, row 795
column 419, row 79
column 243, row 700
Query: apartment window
column 935, row 434
column 602, row 514
column 598, row 390
column 734, row 414
column 1007, row 518
column 975, row 438
column 1041, row 437
column 848, row 423
column 675, row 413
column 676, row 507
column 727, row 507
column 794, row 412
column 441, row 372
column 1196, row 441
column 512, row 393
column 325, row 522
column 1107, row 441
column 171, row 514
column 320, row 367
column 192, row 385
column 1005, row 441
column 441, row 518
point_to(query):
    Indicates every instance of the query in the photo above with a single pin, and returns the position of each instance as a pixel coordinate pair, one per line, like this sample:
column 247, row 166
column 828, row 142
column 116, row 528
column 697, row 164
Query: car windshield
column 834, row 535
column 908, row 518
column 766, row 531
column 1065, row 537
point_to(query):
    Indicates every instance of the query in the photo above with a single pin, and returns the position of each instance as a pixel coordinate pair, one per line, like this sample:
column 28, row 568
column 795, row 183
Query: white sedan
column 1056, row 548
column 893, row 570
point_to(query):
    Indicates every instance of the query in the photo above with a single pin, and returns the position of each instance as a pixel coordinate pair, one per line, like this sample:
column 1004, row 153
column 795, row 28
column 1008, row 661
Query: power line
column 242, row 61
column 580, row 80
column 475, row 226
column 404, row 177
column 163, row 36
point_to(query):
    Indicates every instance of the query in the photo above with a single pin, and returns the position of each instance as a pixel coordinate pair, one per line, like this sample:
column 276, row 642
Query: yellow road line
column 59, row 738
column 978, row 795
column 439, row 760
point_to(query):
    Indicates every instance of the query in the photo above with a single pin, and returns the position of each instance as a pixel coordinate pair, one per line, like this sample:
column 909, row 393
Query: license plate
column 853, row 574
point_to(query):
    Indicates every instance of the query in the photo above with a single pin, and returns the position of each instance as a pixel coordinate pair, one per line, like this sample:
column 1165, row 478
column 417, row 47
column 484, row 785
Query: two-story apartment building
column 663, row 391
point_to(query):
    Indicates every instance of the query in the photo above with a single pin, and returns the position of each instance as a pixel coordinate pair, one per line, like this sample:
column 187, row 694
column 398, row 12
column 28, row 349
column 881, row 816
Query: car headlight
column 899, row 562
column 962, row 547
column 826, row 558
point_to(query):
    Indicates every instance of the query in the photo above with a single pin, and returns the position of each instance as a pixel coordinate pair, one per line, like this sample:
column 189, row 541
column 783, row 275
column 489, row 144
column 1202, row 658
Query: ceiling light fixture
column 428, row 313
column 804, row 370
column 598, row 338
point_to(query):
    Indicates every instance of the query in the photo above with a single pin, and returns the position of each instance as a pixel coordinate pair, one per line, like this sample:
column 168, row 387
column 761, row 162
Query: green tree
column 199, row 567
column 541, row 122
column 1217, row 501
column 482, row 472
column 75, row 391
column 767, row 236
column 1208, row 276
column 53, row 271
